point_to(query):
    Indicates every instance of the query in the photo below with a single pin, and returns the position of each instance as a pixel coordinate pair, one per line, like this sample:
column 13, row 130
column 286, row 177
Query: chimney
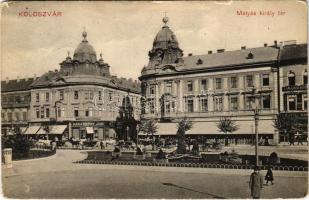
column 6, row 79
column 275, row 43
column 220, row 50
column 190, row 54
column 265, row 44
column 209, row 52
column 243, row 47
column 18, row 79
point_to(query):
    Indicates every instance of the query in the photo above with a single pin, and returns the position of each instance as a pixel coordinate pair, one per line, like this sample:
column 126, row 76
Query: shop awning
column 23, row 130
column 57, row 129
column 31, row 130
column 89, row 130
column 167, row 129
column 41, row 131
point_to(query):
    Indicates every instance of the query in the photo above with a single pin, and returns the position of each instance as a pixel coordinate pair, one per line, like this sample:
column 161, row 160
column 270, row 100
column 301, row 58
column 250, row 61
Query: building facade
column 81, row 100
column 207, row 87
column 293, row 88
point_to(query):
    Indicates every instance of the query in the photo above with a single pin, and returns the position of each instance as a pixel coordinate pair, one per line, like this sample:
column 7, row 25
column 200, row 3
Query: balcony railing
column 294, row 87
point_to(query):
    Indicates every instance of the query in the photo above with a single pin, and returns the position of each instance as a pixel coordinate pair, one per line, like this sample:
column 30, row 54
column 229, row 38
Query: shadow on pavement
column 177, row 186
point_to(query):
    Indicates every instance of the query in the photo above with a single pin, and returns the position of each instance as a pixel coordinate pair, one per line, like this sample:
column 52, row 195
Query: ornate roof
column 85, row 51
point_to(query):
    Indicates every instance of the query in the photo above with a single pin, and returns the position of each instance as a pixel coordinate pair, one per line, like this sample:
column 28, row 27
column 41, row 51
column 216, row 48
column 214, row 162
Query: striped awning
column 41, row 131
column 31, row 130
column 57, row 129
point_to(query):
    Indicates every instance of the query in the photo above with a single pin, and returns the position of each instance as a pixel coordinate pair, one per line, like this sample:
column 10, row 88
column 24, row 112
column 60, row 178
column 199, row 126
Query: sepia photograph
column 154, row 99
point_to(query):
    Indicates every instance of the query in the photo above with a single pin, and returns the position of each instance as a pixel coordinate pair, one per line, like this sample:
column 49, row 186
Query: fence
column 194, row 165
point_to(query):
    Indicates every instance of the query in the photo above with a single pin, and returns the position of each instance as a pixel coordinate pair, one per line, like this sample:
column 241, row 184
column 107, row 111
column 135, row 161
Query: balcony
column 294, row 88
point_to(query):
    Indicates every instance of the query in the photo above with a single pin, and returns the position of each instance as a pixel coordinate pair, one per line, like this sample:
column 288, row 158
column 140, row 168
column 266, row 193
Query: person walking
column 256, row 183
column 101, row 145
column 269, row 176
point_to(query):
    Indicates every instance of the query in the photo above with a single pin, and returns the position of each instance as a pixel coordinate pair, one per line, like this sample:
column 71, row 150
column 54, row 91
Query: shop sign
column 85, row 124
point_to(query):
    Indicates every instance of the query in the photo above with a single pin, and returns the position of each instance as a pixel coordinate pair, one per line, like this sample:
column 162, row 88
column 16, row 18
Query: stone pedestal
column 7, row 154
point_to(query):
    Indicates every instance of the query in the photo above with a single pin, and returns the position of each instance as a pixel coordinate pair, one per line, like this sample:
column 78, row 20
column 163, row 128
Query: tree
column 226, row 125
column 183, row 126
column 150, row 128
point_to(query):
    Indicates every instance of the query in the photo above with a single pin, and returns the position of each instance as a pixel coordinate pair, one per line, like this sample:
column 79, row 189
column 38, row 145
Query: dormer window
column 250, row 56
column 199, row 61
column 291, row 78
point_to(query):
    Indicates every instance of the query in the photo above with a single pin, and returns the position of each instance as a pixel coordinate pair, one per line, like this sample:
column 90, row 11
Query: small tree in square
column 226, row 125
column 150, row 128
column 183, row 126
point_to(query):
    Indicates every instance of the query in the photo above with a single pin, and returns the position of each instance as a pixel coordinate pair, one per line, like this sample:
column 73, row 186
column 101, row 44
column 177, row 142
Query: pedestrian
column 256, row 183
column 101, row 144
column 269, row 176
column 292, row 140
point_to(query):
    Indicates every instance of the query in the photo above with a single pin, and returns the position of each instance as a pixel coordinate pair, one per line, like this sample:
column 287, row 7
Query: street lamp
column 256, row 110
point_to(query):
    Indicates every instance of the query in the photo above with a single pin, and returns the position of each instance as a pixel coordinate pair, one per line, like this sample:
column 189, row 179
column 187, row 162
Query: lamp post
column 256, row 111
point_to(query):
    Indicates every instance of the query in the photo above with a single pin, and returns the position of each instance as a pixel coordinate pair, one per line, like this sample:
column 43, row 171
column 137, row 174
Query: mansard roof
column 16, row 85
column 293, row 52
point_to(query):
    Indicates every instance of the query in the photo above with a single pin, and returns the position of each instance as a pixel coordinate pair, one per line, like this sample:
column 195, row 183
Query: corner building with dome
column 206, row 88
column 81, row 100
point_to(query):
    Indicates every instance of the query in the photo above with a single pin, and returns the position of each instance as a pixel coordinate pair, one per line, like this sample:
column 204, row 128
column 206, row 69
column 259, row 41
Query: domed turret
column 85, row 51
column 165, row 48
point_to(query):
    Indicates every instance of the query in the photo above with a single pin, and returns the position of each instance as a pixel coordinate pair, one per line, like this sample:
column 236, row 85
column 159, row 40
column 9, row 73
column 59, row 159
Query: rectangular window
column 24, row 116
column 75, row 95
column 42, row 113
column 17, row 99
column 249, row 81
column 63, row 112
column 299, row 101
column 37, row 111
column 76, row 112
column 168, row 87
column 190, row 105
column 305, row 100
column 37, row 97
column 266, row 102
column 87, row 113
column 58, row 112
column 204, row 104
column 234, row 103
column 9, row 117
column 152, row 90
column 17, row 116
column 218, row 103
column 47, row 112
column 204, row 85
column 218, row 83
column 233, row 82
column 167, row 107
column 110, row 96
column 151, row 106
column 292, row 102
column 47, row 96
column 248, row 103
column 189, row 86
column 2, row 116
column 91, row 95
column 86, row 95
column 265, row 79
column 100, row 95
column 61, row 95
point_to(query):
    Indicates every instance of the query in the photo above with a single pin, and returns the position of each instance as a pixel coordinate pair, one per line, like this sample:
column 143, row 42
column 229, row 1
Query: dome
column 165, row 38
column 85, row 51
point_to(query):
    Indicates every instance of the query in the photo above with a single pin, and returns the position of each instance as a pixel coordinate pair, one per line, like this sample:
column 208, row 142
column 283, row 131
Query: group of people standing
column 257, row 181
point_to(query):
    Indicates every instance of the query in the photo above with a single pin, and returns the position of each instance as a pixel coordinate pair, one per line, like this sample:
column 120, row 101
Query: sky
column 124, row 31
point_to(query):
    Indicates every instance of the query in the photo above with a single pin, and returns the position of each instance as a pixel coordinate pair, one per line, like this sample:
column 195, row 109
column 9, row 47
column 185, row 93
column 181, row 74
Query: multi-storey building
column 293, row 87
column 207, row 87
column 82, row 99
column 15, row 103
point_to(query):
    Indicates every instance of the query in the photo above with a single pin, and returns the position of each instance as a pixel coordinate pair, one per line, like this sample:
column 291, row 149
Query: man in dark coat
column 256, row 183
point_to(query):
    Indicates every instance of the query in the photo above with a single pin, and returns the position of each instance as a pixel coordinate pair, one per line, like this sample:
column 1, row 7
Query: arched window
column 305, row 77
column 291, row 78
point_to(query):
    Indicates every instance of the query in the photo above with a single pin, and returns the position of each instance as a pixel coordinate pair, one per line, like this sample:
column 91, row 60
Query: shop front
column 92, row 131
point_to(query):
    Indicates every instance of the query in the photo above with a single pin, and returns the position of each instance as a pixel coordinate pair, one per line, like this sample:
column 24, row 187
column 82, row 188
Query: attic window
column 250, row 56
column 199, row 61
